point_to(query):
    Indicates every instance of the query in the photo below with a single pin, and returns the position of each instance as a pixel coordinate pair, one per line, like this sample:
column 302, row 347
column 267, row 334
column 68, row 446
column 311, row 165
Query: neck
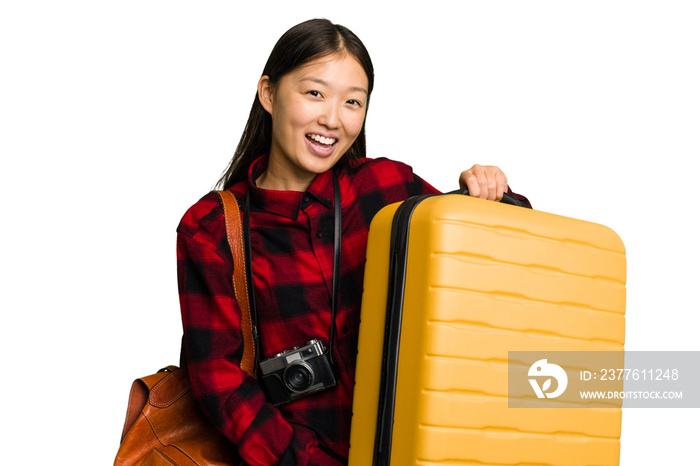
column 276, row 178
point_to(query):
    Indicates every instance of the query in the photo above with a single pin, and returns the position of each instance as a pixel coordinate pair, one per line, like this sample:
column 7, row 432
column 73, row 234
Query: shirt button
column 345, row 330
column 319, row 234
column 306, row 201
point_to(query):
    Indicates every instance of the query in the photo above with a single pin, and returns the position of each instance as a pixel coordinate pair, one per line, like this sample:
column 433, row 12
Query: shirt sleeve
column 423, row 187
column 398, row 181
column 213, row 350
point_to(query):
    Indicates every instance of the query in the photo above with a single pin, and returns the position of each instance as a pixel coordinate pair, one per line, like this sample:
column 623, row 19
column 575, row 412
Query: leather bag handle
column 138, row 396
column 234, row 233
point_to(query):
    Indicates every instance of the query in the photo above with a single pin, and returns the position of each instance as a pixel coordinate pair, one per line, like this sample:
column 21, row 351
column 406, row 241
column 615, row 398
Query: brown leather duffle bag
column 164, row 424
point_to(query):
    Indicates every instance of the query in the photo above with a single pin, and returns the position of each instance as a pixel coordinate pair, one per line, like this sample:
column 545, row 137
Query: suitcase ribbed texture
column 483, row 279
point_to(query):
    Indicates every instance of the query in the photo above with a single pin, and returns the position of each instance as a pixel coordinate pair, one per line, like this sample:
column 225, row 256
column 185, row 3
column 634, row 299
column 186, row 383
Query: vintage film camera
column 297, row 372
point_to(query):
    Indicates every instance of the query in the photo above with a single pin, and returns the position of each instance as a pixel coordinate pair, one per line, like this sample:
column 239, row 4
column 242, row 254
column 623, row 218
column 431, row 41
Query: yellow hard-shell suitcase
column 458, row 284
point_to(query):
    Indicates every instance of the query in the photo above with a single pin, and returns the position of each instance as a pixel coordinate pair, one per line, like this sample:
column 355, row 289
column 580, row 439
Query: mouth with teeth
column 324, row 142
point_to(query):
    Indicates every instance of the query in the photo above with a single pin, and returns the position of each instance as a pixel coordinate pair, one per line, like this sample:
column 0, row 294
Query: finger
column 477, row 182
column 468, row 181
column 494, row 180
column 463, row 179
column 473, row 185
column 492, row 183
column 465, row 175
column 502, row 185
column 497, row 183
column 483, row 182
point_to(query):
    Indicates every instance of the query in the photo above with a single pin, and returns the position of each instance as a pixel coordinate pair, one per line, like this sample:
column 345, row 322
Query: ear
column 265, row 93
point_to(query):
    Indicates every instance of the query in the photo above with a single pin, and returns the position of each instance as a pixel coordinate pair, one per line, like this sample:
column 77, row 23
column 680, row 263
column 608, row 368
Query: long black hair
column 298, row 46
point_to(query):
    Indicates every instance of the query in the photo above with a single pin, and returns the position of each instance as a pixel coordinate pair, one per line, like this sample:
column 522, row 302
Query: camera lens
column 298, row 377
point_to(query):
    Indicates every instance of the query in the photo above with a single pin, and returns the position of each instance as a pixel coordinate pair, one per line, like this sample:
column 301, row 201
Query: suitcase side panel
column 371, row 338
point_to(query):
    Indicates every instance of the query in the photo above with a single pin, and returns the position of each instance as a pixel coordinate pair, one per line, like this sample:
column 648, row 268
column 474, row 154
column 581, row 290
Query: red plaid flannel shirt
column 292, row 245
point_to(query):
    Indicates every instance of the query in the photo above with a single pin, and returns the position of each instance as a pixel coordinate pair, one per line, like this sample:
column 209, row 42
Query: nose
column 330, row 116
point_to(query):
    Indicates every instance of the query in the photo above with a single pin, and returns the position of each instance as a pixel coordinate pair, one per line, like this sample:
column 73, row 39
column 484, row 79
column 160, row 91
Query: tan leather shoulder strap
column 234, row 233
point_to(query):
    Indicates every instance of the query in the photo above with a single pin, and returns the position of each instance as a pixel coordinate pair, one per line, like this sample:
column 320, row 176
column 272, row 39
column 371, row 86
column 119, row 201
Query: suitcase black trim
column 392, row 330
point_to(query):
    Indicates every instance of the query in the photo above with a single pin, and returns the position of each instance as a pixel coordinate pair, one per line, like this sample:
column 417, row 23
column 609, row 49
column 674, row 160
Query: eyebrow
column 324, row 83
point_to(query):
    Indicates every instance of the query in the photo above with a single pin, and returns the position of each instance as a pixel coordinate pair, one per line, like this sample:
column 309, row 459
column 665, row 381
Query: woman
column 306, row 127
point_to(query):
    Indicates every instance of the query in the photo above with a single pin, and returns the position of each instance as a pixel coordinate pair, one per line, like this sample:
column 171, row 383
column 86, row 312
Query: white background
column 117, row 116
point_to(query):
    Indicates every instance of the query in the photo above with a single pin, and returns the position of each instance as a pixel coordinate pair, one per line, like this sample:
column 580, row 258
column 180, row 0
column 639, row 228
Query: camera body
column 297, row 372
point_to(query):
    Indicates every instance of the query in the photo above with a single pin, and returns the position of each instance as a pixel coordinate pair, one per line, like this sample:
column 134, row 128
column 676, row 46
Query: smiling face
column 317, row 113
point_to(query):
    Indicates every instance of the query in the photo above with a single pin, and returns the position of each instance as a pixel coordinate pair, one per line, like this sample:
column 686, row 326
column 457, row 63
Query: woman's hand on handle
column 484, row 181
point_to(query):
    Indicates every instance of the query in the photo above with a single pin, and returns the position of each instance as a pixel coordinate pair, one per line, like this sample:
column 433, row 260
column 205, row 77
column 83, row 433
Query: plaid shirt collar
column 289, row 203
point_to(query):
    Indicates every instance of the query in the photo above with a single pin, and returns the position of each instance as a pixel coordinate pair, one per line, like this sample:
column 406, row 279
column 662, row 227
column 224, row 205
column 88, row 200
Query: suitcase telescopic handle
column 506, row 199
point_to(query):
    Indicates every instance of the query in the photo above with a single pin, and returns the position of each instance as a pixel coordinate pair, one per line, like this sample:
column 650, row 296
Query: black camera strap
column 336, row 263
column 337, row 225
column 249, row 277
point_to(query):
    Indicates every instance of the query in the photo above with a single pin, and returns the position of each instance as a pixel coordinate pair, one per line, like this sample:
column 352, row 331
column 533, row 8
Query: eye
column 314, row 93
column 355, row 103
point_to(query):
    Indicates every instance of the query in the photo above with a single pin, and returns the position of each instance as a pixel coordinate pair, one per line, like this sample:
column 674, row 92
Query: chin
column 322, row 166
